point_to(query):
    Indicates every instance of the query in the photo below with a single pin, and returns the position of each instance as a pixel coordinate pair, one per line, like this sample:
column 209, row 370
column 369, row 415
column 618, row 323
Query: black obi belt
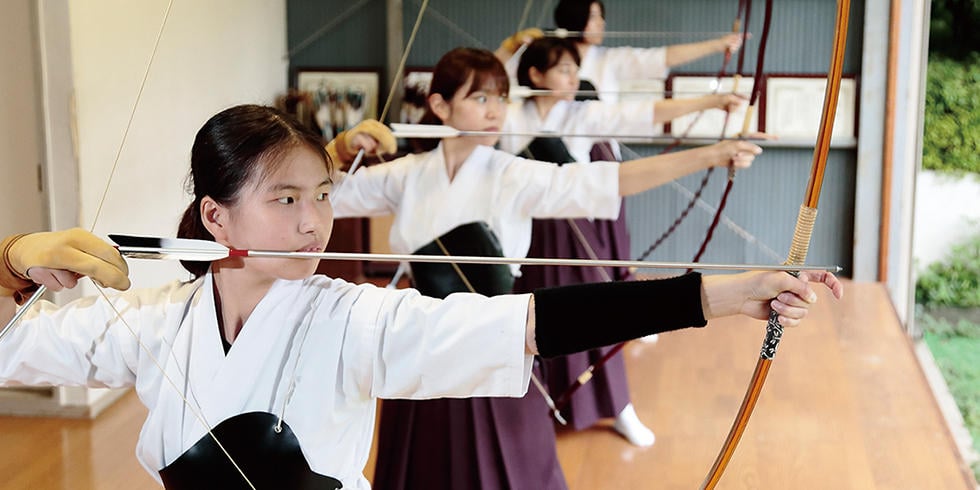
column 472, row 239
column 269, row 459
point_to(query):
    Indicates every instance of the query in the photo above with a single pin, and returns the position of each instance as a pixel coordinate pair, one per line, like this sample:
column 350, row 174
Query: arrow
column 143, row 247
column 522, row 92
column 565, row 33
column 436, row 131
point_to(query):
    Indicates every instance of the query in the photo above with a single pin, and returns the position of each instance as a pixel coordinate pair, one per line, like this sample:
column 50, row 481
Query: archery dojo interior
column 852, row 400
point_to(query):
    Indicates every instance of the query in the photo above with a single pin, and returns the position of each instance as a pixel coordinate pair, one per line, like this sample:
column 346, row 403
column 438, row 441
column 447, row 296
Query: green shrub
column 955, row 282
column 944, row 328
column 951, row 140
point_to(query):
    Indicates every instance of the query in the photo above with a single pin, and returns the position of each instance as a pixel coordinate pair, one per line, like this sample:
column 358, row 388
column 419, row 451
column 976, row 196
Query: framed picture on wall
column 415, row 84
column 342, row 97
column 794, row 104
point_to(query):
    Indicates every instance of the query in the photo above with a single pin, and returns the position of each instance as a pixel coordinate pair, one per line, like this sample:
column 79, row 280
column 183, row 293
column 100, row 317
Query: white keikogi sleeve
column 371, row 191
column 83, row 343
column 633, row 118
column 574, row 190
column 634, row 63
column 419, row 347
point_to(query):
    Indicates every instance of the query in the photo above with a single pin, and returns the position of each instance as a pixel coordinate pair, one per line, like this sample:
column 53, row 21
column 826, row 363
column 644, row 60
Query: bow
column 744, row 9
column 798, row 250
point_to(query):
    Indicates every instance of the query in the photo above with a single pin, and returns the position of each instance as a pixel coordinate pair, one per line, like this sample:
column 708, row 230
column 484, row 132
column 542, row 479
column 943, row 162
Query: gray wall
column 763, row 205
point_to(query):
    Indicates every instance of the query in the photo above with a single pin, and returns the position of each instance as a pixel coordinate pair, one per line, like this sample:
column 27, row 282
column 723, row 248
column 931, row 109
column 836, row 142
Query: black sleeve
column 576, row 318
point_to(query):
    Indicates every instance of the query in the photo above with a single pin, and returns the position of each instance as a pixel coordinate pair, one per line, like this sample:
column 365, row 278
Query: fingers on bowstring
column 106, row 273
column 54, row 279
column 97, row 248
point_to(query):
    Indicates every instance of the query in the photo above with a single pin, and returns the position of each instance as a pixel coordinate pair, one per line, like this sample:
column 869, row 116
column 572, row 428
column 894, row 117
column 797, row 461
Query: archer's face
column 483, row 110
column 595, row 27
column 562, row 77
column 288, row 210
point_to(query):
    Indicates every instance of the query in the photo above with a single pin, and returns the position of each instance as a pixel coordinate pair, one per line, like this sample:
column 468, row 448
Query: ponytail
column 191, row 226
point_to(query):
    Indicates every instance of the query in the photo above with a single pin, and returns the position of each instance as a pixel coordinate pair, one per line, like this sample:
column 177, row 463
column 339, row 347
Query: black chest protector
column 473, row 239
column 552, row 149
column 270, row 459
column 547, row 149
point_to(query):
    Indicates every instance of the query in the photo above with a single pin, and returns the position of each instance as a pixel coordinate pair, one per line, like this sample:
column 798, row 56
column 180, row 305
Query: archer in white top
column 553, row 64
column 265, row 335
column 605, row 66
column 463, row 179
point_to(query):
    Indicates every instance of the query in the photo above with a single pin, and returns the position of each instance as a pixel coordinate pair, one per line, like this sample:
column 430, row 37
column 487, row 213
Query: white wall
column 20, row 137
column 212, row 55
column 947, row 211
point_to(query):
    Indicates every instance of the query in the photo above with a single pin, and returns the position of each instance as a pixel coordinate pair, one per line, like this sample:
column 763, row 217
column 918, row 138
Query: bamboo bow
column 798, row 250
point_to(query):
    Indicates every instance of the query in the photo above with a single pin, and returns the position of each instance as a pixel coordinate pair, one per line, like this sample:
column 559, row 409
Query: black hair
column 451, row 73
column 234, row 147
column 573, row 15
column 544, row 54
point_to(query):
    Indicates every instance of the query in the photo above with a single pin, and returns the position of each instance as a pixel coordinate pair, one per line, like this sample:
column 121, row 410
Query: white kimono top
column 493, row 186
column 606, row 67
column 323, row 348
column 578, row 117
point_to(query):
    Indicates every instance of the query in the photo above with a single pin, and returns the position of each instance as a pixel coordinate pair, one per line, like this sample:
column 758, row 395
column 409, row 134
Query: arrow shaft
column 546, row 134
column 210, row 255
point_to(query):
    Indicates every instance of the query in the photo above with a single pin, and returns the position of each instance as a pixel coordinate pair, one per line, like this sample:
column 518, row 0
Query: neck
column 582, row 48
column 236, row 293
column 544, row 104
column 455, row 151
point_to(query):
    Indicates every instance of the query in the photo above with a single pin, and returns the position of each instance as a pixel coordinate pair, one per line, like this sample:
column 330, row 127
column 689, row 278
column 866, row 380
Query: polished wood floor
column 846, row 406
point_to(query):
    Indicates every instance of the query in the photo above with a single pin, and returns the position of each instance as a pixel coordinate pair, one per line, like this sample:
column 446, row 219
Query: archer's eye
column 481, row 99
column 286, row 200
column 322, row 196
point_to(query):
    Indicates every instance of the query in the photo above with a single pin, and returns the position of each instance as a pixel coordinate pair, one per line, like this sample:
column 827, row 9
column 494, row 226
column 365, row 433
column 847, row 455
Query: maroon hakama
column 607, row 393
column 468, row 443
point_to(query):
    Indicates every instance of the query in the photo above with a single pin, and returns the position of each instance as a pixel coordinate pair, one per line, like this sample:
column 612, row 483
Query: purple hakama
column 471, row 443
column 607, row 394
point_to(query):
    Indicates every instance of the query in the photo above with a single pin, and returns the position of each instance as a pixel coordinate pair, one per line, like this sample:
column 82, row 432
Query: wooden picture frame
column 415, row 90
column 794, row 104
column 342, row 97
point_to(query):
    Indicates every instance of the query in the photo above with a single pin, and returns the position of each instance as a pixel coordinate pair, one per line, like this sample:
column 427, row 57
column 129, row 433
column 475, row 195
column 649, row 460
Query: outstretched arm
column 574, row 318
column 667, row 110
column 642, row 174
column 678, row 54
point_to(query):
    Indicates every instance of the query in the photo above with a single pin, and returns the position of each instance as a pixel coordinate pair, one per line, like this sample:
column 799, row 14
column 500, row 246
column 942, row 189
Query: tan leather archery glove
column 369, row 134
column 513, row 43
column 56, row 259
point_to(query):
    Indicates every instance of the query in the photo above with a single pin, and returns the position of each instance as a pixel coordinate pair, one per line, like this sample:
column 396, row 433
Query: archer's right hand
column 57, row 259
column 514, row 42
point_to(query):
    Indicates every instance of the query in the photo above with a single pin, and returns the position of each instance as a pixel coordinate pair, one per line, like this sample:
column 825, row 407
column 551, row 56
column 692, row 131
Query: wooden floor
column 846, row 407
